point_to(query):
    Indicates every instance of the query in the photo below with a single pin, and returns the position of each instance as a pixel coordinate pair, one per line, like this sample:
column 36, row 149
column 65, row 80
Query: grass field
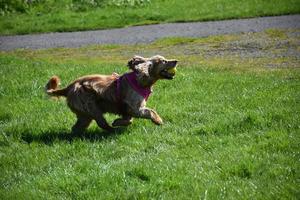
column 68, row 15
column 231, row 129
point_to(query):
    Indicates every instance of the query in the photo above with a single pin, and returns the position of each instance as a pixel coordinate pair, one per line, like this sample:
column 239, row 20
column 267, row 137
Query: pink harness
column 131, row 79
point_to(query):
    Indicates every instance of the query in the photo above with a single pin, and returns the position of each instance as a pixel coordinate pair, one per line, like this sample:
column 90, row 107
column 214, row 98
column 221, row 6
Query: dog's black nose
column 173, row 62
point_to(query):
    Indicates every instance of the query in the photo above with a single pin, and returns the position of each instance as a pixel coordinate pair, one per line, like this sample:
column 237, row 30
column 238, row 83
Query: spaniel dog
column 89, row 97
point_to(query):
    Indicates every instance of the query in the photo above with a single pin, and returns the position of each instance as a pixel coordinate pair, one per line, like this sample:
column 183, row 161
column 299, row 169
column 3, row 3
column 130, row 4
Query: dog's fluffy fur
column 89, row 97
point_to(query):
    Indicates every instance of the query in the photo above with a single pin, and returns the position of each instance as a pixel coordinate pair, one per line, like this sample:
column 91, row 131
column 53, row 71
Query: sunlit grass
column 229, row 132
column 58, row 16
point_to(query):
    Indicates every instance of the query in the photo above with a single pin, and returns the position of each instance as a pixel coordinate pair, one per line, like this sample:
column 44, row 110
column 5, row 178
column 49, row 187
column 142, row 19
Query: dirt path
column 146, row 34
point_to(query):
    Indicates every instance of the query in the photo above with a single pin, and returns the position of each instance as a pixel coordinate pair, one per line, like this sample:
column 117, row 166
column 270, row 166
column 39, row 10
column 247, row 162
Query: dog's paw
column 157, row 120
column 111, row 129
column 116, row 75
column 121, row 122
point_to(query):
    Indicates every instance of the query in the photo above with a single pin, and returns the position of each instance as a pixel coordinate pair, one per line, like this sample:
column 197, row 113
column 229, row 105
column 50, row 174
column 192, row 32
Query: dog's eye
column 164, row 62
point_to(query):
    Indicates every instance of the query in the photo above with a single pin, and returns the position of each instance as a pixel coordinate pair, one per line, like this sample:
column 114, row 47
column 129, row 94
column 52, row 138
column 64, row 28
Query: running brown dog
column 91, row 96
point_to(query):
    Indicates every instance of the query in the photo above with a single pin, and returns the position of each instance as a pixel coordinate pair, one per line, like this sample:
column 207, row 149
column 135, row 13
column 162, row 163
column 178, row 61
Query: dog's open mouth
column 168, row 73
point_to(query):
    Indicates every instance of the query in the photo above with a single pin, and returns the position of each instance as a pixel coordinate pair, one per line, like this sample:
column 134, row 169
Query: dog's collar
column 132, row 80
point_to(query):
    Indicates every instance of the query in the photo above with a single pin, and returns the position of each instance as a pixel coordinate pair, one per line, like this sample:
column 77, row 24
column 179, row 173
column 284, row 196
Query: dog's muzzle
column 170, row 71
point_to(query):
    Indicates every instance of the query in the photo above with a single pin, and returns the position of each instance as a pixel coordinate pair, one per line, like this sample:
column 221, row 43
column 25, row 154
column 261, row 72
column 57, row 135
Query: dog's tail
column 52, row 87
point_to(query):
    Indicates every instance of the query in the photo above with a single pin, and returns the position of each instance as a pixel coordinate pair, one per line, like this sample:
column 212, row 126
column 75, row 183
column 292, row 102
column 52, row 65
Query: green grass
column 49, row 16
column 231, row 127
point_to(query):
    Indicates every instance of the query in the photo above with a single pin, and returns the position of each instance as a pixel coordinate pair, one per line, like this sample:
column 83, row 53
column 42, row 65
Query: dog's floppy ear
column 143, row 69
column 136, row 60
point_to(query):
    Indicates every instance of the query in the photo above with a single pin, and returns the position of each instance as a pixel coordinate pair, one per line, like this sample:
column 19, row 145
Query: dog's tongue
column 172, row 70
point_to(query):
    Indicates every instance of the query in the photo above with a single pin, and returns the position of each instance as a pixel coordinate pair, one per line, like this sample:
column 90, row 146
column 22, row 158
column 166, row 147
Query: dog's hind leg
column 81, row 124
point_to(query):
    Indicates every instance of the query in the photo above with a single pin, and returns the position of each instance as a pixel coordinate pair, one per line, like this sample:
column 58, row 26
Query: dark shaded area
column 138, row 174
column 4, row 117
column 49, row 137
column 242, row 171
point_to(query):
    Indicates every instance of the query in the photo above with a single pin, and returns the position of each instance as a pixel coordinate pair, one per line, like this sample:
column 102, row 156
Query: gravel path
column 146, row 34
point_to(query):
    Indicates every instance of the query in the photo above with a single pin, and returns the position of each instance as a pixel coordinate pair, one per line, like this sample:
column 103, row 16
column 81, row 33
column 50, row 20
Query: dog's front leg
column 97, row 115
column 147, row 113
column 124, row 121
column 102, row 123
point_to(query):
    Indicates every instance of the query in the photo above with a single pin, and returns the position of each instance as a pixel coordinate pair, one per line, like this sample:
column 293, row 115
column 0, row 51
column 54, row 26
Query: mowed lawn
column 231, row 125
column 23, row 17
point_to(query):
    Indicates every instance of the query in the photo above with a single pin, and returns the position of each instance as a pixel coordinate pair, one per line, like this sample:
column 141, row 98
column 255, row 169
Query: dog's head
column 154, row 68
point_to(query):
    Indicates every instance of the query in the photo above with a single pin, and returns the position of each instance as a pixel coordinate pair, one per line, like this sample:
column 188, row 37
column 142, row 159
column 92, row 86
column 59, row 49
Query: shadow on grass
column 49, row 137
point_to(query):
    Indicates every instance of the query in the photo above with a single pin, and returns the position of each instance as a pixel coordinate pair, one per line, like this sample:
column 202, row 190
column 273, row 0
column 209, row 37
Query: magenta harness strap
column 131, row 79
